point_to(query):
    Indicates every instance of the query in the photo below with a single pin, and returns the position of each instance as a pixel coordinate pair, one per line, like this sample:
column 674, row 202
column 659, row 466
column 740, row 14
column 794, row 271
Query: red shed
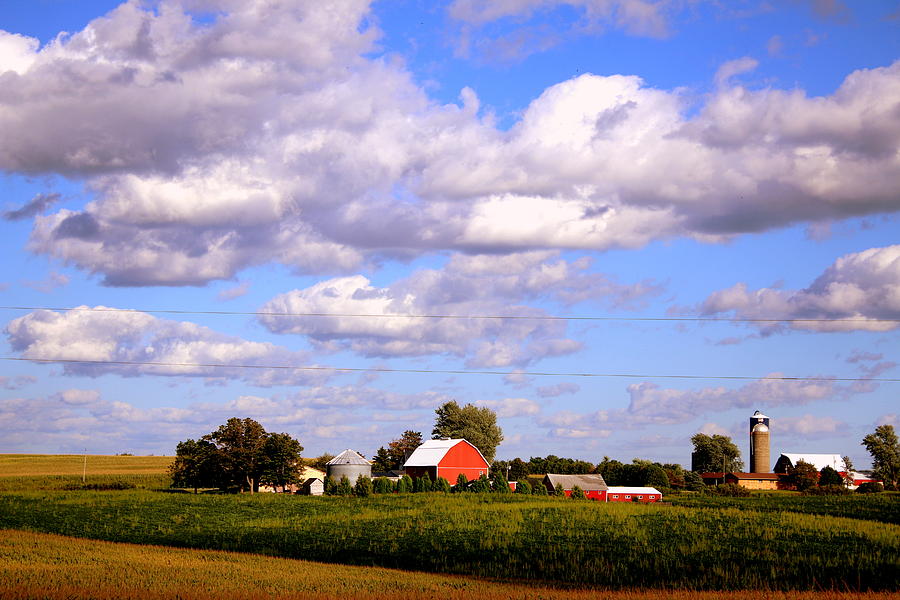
column 447, row 459
column 593, row 486
column 633, row 494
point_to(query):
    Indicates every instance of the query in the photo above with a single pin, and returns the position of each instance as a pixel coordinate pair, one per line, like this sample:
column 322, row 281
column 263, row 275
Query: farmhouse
column 633, row 494
column 446, row 458
column 593, row 486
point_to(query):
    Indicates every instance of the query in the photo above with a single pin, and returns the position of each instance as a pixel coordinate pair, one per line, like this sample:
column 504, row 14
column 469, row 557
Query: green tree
column 196, row 465
column 539, row 489
column 441, row 485
column 321, row 462
column 330, row 486
column 462, row 483
column 715, row 453
column 499, row 483
column 282, row 463
column 802, row 475
column 344, row 488
column 240, row 446
column 382, row 460
column 363, row 487
column 400, row 449
column 577, row 493
column 693, row 482
column 656, row 477
column 847, row 470
column 559, row 491
column 477, row 425
column 422, row 484
column 523, row 487
column 405, row 485
column 518, row 469
column 611, row 470
column 885, row 450
column 829, row 476
column 482, row 485
column 383, row 485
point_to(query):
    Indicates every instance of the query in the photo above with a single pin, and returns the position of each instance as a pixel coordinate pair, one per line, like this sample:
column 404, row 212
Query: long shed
column 446, row 458
column 593, row 485
column 633, row 494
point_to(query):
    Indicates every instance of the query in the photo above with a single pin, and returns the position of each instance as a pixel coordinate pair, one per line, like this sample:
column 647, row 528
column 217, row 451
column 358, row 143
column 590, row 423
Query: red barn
column 593, row 486
column 633, row 494
column 447, row 459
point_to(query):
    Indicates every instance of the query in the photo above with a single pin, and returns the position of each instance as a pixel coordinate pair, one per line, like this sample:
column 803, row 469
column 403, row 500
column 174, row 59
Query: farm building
column 446, row 458
column 633, row 494
column 313, row 487
column 306, row 473
column 593, row 486
column 756, row 481
column 348, row 464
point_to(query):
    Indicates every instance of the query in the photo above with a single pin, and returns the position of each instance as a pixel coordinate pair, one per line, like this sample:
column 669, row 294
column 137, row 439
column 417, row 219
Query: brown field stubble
column 34, row 565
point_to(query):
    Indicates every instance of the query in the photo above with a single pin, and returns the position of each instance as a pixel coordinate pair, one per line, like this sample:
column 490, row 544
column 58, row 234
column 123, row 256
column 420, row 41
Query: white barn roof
column 819, row 461
column 619, row 489
column 432, row 452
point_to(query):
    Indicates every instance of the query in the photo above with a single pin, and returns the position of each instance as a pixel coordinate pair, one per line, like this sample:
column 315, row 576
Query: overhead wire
column 449, row 371
column 449, row 316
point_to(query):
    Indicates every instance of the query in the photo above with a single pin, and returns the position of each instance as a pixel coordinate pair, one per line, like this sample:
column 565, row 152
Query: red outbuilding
column 633, row 494
column 446, row 458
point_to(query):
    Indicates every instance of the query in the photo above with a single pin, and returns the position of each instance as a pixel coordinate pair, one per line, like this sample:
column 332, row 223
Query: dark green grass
column 884, row 507
column 510, row 537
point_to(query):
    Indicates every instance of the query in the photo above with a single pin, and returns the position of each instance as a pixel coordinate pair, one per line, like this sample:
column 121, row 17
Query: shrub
column 343, row 487
column 330, row 486
column 523, row 487
column 481, row 485
column 405, row 485
column 363, row 487
column 383, row 485
column 462, row 483
column 577, row 493
column 106, row 486
column 499, row 484
column 558, row 491
column 731, row 489
column 422, row 484
column 870, row 487
column 441, row 485
column 539, row 489
column 826, row 490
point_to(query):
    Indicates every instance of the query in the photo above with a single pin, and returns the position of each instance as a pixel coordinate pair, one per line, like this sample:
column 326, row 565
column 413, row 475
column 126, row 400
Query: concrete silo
column 760, row 461
column 348, row 464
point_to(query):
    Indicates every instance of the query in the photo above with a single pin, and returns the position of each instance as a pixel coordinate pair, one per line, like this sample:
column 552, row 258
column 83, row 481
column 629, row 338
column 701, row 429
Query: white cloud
column 864, row 286
column 559, row 389
column 17, row 382
column 713, row 429
column 273, row 136
column 810, row 426
column 468, row 285
column 511, row 407
column 110, row 336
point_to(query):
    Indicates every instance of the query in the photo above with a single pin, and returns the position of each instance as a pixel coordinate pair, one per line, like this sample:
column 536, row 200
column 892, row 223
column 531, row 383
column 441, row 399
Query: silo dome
column 348, row 464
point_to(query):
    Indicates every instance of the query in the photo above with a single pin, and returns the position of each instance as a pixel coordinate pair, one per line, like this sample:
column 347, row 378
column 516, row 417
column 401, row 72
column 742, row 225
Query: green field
column 54, row 567
column 494, row 536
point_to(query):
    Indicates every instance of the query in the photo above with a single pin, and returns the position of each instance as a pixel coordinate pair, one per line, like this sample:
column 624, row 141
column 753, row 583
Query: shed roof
column 621, row 489
column 348, row 457
column 432, row 452
column 588, row 483
column 819, row 461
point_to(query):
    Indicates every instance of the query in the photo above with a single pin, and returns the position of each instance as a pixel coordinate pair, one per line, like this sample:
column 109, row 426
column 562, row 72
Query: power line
column 442, row 316
column 446, row 371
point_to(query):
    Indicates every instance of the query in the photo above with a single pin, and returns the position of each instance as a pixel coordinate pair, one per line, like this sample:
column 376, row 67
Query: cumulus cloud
column 864, row 287
column 17, row 382
column 511, row 407
column 402, row 319
column 306, row 151
column 649, row 404
column 559, row 389
column 110, row 336
column 809, row 426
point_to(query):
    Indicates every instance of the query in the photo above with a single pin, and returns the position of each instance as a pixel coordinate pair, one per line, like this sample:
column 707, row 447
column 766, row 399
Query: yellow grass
column 36, row 465
column 34, row 565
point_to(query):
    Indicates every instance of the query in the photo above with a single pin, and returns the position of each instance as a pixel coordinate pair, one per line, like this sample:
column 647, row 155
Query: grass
column 55, row 567
column 504, row 537
column 884, row 507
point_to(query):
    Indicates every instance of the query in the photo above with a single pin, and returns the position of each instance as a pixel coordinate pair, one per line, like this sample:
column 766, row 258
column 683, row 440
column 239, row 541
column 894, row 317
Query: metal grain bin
column 349, row 464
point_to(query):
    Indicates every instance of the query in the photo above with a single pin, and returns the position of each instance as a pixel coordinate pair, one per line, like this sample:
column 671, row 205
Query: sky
column 616, row 223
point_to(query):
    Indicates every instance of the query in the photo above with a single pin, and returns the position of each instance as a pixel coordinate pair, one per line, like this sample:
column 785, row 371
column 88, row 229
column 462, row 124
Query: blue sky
column 615, row 159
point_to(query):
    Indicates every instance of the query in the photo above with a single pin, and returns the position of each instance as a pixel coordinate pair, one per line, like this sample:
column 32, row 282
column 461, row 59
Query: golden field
column 39, row 465
column 34, row 565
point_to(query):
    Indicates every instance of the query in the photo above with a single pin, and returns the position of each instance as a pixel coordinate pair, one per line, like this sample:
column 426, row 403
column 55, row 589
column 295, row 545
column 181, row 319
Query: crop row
column 884, row 507
column 505, row 537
